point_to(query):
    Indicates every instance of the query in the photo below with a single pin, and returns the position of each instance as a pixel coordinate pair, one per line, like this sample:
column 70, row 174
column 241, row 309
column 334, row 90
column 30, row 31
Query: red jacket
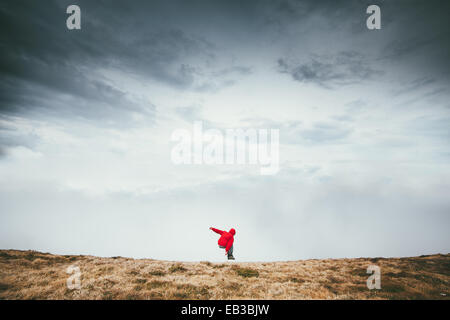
column 226, row 238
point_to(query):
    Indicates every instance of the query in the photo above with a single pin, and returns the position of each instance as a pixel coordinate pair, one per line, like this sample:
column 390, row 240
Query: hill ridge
column 32, row 274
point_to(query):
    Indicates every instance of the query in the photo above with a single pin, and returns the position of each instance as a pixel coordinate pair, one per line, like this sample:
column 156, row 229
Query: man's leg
column 230, row 253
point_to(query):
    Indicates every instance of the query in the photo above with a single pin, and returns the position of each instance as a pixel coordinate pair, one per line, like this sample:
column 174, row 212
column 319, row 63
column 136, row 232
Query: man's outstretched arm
column 216, row 230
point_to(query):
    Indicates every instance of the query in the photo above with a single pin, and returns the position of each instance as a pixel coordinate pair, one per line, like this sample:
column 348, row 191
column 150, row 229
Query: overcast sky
column 86, row 118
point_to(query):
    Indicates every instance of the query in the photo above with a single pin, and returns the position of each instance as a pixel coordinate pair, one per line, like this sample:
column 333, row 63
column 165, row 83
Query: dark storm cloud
column 48, row 69
column 419, row 25
column 408, row 27
column 329, row 16
column 413, row 40
column 418, row 42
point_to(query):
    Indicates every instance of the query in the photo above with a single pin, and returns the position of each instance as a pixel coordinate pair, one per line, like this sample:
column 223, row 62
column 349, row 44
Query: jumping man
column 226, row 241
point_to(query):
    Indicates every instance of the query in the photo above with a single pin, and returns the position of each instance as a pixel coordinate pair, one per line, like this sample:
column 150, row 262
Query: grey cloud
column 432, row 92
column 324, row 133
column 189, row 113
column 343, row 117
column 296, row 132
column 259, row 122
column 344, row 68
column 333, row 15
column 425, row 126
column 170, row 56
column 418, row 39
column 398, row 48
column 82, row 99
column 355, row 106
column 223, row 78
column 414, row 85
column 9, row 137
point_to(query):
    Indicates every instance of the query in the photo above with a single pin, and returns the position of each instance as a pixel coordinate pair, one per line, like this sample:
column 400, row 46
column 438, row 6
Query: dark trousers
column 230, row 252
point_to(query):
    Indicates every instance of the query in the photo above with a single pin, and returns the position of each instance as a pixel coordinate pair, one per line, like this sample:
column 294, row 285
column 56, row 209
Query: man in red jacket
column 226, row 241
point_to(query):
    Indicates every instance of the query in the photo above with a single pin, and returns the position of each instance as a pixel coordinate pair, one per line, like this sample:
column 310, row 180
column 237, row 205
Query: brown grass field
column 36, row 275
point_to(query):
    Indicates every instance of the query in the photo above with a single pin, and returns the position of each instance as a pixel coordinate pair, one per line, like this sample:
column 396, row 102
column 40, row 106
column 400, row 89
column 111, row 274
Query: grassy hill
column 36, row 275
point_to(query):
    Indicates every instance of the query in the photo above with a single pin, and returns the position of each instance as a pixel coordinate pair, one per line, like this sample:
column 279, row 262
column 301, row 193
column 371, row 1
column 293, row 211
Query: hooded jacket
column 226, row 238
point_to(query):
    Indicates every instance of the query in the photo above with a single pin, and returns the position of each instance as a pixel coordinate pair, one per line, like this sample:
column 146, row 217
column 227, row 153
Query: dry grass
column 35, row 275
